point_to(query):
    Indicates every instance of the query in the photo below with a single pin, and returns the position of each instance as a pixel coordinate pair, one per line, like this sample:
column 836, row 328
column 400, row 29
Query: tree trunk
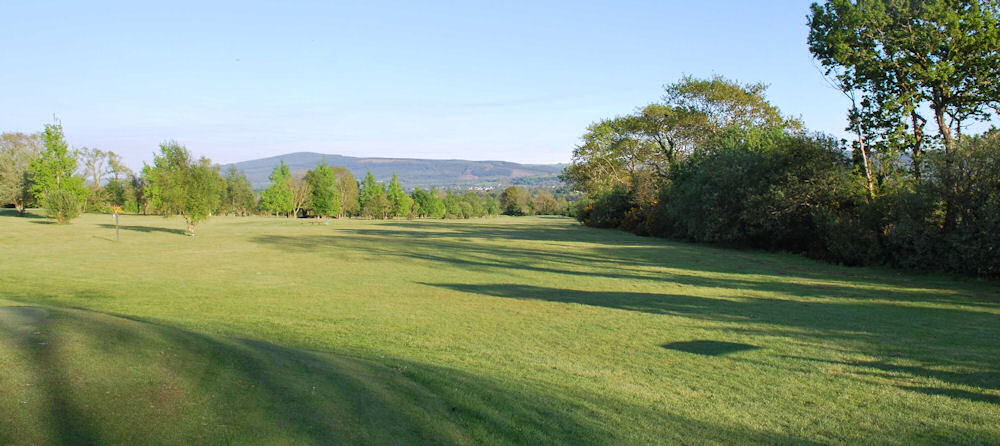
column 918, row 141
column 947, row 178
column 864, row 158
column 190, row 225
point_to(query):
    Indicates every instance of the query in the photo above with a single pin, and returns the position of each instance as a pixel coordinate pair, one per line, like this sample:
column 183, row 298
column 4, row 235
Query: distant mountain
column 412, row 172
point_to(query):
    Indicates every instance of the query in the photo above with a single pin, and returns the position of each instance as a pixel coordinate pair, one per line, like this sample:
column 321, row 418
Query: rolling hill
column 412, row 172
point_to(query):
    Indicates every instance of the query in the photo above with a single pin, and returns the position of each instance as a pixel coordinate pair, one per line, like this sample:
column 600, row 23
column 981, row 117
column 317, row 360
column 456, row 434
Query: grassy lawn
column 506, row 330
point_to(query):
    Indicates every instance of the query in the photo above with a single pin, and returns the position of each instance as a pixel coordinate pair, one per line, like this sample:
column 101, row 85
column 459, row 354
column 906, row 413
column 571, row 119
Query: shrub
column 63, row 205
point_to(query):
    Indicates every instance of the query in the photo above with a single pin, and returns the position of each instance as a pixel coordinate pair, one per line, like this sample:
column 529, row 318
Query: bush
column 777, row 195
column 62, row 205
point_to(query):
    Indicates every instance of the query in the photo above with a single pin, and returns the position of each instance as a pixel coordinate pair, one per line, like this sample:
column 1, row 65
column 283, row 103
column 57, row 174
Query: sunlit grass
column 507, row 330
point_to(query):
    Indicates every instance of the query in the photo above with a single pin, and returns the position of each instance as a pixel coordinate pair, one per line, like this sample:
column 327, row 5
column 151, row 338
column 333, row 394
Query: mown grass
column 507, row 330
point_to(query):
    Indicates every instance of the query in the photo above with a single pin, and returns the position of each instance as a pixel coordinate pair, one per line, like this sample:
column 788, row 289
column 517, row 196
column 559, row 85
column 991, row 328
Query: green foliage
column 399, row 203
column 54, row 170
column 427, row 204
column 62, row 205
column 830, row 354
column 179, row 185
column 543, row 203
column 325, row 194
column 238, row 197
column 766, row 197
column 350, row 191
column 904, row 57
column 17, row 152
column 515, row 201
column 374, row 203
column 277, row 198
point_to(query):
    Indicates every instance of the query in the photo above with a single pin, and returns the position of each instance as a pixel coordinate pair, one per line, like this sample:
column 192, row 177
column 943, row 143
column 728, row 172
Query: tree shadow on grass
column 875, row 324
column 708, row 348
column 152, row 382
column 470, row 246
column 10, row 212
column 156, row 382
column 147, row 229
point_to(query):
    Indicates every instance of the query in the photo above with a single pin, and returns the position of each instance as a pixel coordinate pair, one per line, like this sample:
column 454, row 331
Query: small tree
column 374, row 203
column 179, row 185
column 277, row 197
column 62, row 205
column 325, row 195
column 17, row 151
column 53, row 170
column 545, row 204
column 349, row 190
column 399, row 202
column 301, row 195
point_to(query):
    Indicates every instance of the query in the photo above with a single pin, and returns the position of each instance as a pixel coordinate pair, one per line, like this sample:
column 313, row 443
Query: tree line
column 41, row 170
column 714, row 161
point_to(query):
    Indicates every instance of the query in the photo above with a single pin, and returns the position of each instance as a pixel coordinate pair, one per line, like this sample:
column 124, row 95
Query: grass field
column 507, row 330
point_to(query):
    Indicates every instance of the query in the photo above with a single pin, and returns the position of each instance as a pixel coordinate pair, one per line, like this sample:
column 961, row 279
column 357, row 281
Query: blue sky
column 517, row 81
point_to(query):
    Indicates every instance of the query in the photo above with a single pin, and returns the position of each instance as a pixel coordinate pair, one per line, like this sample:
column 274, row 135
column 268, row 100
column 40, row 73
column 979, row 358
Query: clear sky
column 508, row 80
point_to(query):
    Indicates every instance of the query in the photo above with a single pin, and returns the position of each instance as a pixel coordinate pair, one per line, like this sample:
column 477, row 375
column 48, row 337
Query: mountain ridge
column 413, row 172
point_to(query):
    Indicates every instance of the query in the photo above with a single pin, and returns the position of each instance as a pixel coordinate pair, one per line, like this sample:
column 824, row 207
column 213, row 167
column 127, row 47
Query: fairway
column 525, row 330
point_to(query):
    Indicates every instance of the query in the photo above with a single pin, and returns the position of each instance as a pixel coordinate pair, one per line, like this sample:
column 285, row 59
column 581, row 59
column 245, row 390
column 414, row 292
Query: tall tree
column 17, row 151
column 277, row 198
column 177, row 184
column 53, row 173
column 374, row 203
column 325, row 194
column 399, row 202
column 907, row 54
column 95, row 166
column 350, row 191
column 118, row 170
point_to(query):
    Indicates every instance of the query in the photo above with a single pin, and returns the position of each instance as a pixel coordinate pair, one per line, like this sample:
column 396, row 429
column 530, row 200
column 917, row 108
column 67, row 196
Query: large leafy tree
column 427, row 204
column 277, row 198
column 17, row 151
column 515, row 201
column 399, row 202
column 325, row 194
column 636, row 151
column 52, row 176
column 909, row 55
column 177, row 184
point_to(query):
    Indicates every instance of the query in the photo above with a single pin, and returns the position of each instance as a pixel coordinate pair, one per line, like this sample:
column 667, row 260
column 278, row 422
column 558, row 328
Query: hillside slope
column 412, row 172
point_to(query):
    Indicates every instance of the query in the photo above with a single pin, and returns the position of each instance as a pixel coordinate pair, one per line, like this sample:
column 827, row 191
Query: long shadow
column 873, row 323
column 261, row 393
column 988, row 379
column 291, row 389
column 468, row 252
column 10, row 212
column 147, row 229
column 68, row 421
